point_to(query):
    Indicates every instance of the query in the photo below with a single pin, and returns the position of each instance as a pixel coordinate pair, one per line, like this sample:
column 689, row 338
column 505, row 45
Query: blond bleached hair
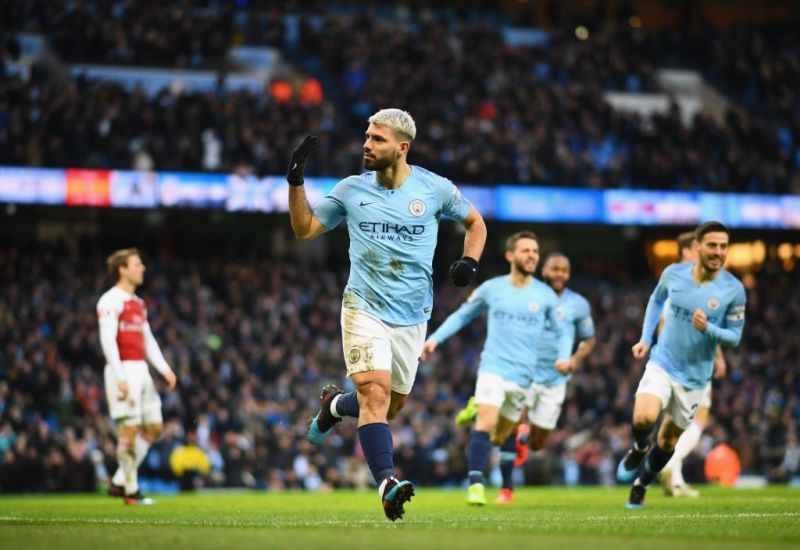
column 398, row 120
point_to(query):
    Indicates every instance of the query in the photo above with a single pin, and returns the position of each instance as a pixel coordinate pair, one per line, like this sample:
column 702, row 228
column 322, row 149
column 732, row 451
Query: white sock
column 686, row 442
column 127, row 462
column 119, row 477
column 141, row 446
column 333, row 406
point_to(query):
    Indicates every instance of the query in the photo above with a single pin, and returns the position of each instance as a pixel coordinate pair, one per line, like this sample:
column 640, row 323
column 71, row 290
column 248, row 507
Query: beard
column 520, row 267
column 705, row 261
column 551, row 282
column 378, row 163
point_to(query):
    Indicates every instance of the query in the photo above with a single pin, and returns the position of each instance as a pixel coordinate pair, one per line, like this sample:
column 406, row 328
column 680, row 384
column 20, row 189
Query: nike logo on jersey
column 295, row 166
column 362, row 203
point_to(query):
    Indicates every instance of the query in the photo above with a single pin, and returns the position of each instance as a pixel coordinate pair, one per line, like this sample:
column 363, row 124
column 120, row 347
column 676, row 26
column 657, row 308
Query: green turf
column 589, row 518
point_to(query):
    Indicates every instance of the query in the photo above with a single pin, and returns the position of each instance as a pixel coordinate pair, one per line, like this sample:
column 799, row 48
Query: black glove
column 464, row 271
column 297, row 162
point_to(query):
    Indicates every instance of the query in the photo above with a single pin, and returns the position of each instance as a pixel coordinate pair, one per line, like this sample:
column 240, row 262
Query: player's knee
column 152, row 432
column 485, row 423
column 536, row 443
column 667, row 439
column 701, row 418
column 374, row 395
column 667, row 443
column 537, row 438
column 642, row 420
column 127, row 436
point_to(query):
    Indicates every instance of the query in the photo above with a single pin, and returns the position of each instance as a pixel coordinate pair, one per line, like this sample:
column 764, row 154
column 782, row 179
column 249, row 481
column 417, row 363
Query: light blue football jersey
column 514, row 328
column 392, row 239
column 684, row 352
column 578, row 322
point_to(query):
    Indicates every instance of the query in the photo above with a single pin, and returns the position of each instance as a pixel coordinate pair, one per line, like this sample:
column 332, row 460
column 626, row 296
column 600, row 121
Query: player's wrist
column 295, row 180
column 471, row 261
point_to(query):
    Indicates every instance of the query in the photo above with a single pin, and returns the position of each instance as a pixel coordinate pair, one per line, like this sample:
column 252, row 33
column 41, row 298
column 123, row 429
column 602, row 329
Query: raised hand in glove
column 297, row 162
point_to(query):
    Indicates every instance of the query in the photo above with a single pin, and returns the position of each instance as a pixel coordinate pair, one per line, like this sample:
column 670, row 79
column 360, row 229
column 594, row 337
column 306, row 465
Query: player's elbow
column 308, row 230
column 302, row 234
column 732, row 342
column 727, row 338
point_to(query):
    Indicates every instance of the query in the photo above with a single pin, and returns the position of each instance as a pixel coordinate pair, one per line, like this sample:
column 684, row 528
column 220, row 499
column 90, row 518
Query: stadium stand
column 501, row 111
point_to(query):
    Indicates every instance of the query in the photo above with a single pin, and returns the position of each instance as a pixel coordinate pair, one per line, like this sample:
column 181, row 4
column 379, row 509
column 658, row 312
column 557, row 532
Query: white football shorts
column 143, row 404
column 491, row 389
column 679, row 402
column 545, row 404
column 371, row 344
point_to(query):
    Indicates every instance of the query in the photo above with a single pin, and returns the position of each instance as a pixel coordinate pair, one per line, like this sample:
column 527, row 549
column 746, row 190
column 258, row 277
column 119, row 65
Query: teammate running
column 518, row 306
column 706, row 309
column 671, row 477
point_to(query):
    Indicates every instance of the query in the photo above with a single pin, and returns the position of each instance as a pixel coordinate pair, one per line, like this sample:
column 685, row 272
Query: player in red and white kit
column 133, row 401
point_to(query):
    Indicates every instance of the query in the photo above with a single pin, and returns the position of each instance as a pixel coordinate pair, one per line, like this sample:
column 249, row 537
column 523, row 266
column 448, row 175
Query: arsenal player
column 133, row 401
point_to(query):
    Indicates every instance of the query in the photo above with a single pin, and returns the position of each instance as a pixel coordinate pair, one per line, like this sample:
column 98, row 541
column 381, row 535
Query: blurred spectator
column 186, row 34
column 189, row 464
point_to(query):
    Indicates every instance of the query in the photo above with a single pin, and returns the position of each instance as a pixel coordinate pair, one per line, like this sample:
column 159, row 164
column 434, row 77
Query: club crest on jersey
column 417, row 207
column 533, row 307
column 354, row 355
column 713, row 303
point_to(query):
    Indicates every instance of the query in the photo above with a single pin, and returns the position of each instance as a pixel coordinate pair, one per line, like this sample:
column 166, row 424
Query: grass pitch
column 589, row 518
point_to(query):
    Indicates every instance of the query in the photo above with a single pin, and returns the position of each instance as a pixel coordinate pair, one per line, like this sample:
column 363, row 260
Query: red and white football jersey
column 128, row 312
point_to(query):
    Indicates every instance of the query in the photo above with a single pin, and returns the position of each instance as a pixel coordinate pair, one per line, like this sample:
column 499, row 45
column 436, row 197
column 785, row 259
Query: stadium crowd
column 489, row 110
column 186, row 34
column 252, row 341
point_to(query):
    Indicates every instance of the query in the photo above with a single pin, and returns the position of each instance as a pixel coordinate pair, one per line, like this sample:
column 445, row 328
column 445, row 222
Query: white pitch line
column 634, row 516
column 698, row 515
column 207, row 523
